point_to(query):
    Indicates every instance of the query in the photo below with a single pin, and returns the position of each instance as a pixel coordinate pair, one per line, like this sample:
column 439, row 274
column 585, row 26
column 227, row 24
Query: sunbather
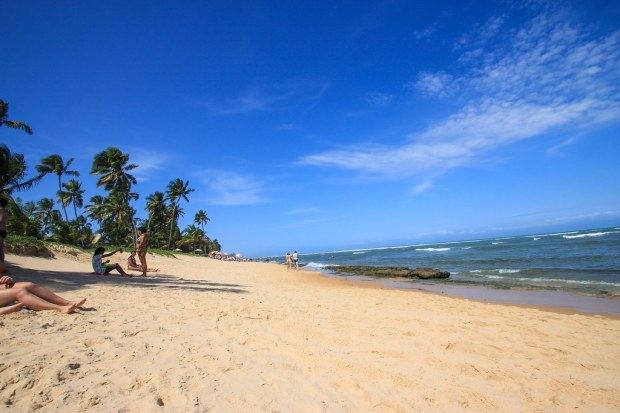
column 35, row 297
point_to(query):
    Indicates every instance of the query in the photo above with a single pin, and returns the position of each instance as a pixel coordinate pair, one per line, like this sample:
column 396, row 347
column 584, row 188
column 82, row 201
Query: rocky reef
column 389, row 272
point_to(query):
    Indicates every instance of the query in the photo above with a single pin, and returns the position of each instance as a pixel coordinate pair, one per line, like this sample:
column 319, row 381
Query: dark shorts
column 3, row 233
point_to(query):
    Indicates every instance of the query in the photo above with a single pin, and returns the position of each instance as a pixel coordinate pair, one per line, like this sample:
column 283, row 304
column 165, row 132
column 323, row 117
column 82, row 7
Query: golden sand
column 209, row 336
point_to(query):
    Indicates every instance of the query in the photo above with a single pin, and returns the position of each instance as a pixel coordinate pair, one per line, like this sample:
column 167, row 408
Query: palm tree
column 46, row 214
column 157, row 220
column 24, row 220
column 194, row 235
column 201, row 218
column 12, row 172
column 96, row 210
column 15, row 124
column 175, row 191
column 113, row 169
column 55, row 164
column 73, row 194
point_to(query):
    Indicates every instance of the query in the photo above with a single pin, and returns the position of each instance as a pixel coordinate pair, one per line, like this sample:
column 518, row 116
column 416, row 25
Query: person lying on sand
column 103, row 268
column 34, row 296
column 132, row 264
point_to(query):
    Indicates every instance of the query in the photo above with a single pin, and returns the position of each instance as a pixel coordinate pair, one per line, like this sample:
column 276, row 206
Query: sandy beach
column 204, row 335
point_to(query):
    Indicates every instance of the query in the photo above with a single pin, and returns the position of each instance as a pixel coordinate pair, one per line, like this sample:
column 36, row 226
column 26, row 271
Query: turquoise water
column 585, row 261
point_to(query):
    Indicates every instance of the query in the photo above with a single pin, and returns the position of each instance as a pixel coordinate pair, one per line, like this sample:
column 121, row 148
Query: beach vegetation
column 176, row 190
column 54, row 164
column 105, row 219
column 15, row 124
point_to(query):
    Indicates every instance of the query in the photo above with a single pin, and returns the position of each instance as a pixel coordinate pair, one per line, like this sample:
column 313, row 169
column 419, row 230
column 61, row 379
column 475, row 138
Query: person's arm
column 112, row 253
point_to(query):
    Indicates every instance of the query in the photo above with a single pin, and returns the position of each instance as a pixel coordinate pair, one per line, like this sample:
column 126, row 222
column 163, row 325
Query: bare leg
column 36, row 303
column 122, row 271
column 11, row 309
column 46, row 294
column 142, row 258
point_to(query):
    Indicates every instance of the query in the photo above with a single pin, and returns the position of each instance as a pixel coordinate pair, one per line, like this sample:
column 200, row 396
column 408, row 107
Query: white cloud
column 544, row 76
column 232, row 188
column 433, row 84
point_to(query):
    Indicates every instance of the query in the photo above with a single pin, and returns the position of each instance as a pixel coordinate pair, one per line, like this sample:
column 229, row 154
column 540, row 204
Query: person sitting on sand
column 34, row 296
column 103, row 268
column 133, row 265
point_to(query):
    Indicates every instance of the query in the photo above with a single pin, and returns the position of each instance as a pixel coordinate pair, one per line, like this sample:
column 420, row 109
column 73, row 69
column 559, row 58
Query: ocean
column 582, row 262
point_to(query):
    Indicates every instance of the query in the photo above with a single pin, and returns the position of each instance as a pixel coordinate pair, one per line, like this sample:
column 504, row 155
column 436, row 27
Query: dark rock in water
column 428, row 273
column 388, row 272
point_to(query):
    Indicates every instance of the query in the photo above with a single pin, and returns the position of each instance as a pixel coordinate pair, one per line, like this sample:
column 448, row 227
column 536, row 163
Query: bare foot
column 11, row 309
column 68, row 309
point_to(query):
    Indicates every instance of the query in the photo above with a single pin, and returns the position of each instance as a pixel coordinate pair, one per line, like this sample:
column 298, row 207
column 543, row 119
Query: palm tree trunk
column 170, row 236
column 62, row 203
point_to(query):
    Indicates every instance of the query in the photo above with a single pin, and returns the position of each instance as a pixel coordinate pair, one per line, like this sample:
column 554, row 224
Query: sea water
column 585, row 261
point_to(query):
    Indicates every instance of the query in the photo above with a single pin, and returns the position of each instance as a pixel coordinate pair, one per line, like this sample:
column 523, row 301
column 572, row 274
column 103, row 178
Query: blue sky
column 316, row 126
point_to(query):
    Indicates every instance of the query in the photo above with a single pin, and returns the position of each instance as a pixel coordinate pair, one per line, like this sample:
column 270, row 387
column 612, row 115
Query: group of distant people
column 292, row 261
column 103, row 267
column 15, row 296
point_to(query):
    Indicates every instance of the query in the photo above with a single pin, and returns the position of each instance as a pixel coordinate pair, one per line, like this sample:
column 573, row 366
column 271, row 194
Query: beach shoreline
column 549, row 300
column 208, row 335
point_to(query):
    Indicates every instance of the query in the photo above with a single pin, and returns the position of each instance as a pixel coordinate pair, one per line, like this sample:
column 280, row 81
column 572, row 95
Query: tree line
column 113, row 213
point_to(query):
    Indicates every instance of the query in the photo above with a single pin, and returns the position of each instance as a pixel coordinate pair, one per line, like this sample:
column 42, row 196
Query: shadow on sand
column 60, row 282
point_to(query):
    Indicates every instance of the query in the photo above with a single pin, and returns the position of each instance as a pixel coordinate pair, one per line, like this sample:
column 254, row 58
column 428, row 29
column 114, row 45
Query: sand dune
column 204, row 335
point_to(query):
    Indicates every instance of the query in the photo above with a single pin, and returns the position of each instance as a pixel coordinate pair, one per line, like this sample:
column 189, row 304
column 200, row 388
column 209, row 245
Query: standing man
column 4, row 220
column 296, row 260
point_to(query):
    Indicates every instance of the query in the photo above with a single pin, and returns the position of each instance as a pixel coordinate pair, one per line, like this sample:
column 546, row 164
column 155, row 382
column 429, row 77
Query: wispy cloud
column 530, row 80
column 148, row 162
column 432, row 84
column 232, row 188
column 554, row 150
column 378, row 98
column 269, row 97
column 302, row 211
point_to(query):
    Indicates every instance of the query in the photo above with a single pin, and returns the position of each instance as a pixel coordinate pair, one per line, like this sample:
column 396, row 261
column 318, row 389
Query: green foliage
column 15, row 124
column 113, row 212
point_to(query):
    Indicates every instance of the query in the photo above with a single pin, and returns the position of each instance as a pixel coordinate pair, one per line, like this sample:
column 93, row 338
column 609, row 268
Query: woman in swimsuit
column 141, row 248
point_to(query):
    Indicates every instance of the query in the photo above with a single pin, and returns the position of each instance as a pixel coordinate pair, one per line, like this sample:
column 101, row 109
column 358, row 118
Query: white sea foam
column 536, row 239
column 592, row 234
column 466, row 248
column 496, row 243
column 581, row 282
column 551, row 235
column 317, row 265
column 359, row 252
column 506, row 271
column 432, row 249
